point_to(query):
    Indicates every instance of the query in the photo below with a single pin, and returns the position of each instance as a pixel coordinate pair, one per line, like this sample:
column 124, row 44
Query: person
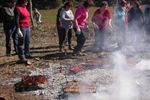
column 66, row 21
column 135, row 22
column 81, row 16
column 147, row 21
column 37, row 16
column 23, row 30
column 9, row 26
column 121, row 22
column 102, row 24
column 58, row 26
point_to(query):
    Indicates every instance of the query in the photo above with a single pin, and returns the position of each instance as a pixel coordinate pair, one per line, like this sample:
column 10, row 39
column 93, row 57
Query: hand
column 95, row 26
column 78, row 32
column 19, row 33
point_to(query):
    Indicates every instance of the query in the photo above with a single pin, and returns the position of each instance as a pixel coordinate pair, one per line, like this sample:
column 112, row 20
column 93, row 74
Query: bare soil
column 44, row 49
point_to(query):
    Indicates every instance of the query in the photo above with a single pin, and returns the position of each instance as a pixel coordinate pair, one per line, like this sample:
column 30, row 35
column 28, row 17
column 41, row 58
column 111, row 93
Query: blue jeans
column 10, row 32
column 24, row 43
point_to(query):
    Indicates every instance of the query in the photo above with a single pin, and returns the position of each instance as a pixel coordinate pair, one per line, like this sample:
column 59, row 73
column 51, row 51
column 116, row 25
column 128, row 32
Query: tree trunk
column 32, row 21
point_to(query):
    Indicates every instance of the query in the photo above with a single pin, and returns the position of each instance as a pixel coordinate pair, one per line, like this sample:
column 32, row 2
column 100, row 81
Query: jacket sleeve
column 17, row 16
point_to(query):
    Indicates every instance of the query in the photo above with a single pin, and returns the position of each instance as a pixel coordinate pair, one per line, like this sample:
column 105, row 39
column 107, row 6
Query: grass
column 49, row 16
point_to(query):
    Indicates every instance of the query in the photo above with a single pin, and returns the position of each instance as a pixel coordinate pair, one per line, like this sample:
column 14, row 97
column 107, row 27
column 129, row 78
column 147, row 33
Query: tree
column 32, row 21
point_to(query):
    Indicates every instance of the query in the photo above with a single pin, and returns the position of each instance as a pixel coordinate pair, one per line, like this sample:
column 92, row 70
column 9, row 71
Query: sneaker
column 70, row 47
column 23, row 60
column 78, row 54
column 8, row 54
column 61, row 50
column 29, row 57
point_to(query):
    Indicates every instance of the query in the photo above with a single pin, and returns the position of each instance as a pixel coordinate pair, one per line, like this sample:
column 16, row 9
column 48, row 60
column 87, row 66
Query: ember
column 75, row 87
column 33, row 80
column 76, row 69
column 30, row 83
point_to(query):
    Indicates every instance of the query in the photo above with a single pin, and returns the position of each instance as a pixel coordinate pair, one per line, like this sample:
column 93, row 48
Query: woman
column 121, row 21
column 66, row 22
column 23, row 30
column 102, row 23
column 136, row 22
column 9, row 26
column 81, row 16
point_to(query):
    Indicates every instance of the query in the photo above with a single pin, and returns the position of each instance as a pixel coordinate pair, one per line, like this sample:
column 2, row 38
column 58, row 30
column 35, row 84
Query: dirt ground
column 44, row 49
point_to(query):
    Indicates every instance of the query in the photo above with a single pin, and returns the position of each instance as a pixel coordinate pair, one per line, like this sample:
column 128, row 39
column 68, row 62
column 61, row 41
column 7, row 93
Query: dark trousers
column 10, row 32
column 80, row 41
column 65, row 37
column 24, row 43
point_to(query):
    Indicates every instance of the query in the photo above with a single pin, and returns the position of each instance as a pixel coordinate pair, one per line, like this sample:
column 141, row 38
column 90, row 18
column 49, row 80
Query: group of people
column 125, row 19
column 16, row 24
column 67, row 21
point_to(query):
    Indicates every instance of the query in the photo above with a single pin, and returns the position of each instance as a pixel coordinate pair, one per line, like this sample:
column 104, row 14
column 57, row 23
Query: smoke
column 122, row 84
column 125, row 87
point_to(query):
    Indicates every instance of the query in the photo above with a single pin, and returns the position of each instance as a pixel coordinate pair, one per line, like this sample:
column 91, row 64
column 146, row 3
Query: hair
column 10, row 1
column 104, row 3
column 21, row 1
column 136, row 3
column 68, row 3
column 86, row 4
column 123, row 3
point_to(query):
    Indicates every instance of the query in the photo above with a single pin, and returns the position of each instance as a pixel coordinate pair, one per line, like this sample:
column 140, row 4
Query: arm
column 17, row 16
column 78, row 14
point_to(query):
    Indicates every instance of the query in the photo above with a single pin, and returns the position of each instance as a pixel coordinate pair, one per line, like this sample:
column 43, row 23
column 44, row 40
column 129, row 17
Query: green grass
column 49, row 16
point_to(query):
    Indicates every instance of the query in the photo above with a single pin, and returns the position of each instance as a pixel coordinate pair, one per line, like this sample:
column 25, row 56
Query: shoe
column 70, row 47
column 8, row 54
column 29, row 57
column 78, row 54
column 23, row 60
column 61, row 50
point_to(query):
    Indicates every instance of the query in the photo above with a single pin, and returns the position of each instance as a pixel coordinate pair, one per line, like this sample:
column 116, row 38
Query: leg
column 80, row 42
column 21, row 45
column 69, row 38
column 101, row 38
column 15, row 39
column 27, row 42
column 62, row 38
column 7, row 31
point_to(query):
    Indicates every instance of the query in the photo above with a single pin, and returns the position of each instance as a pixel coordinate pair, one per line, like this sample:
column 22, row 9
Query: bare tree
column 32, row 21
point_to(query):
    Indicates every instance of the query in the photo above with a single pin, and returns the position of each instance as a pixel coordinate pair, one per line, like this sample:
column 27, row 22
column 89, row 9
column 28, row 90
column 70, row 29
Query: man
column 9, row 25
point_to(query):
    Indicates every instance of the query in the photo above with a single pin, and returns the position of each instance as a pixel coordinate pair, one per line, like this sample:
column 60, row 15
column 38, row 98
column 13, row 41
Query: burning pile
column 30, row 83
column 77, row 87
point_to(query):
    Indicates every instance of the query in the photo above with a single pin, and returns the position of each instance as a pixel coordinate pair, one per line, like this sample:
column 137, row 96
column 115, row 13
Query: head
column 123, row 3
column 88, row 3
column 135, row 3
column 22, row 2
column 67, row 5
column 104, row 5
column 11, row 3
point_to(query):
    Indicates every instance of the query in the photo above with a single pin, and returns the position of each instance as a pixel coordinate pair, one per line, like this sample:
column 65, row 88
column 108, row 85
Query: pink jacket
column 81, row 16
